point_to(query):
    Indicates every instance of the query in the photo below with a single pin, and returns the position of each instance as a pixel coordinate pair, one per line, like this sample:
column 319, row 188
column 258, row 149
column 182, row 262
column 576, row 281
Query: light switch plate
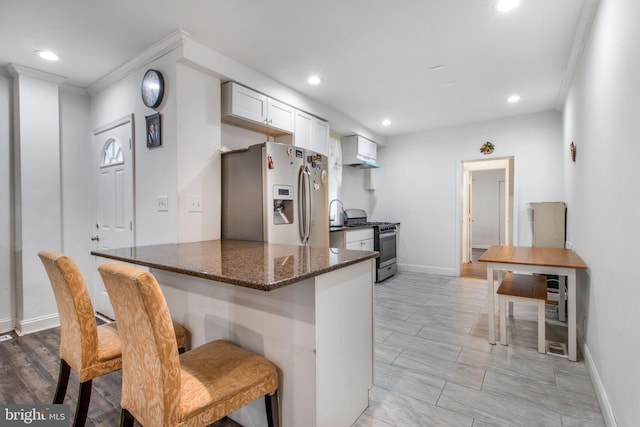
column 196, row 203
column 162, row 203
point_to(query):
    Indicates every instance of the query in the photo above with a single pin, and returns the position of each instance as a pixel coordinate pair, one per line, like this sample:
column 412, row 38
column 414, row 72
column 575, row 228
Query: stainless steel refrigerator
column 275, row 193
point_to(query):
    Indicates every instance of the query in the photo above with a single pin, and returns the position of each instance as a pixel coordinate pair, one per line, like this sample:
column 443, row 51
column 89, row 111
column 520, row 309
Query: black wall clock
column 152, row 88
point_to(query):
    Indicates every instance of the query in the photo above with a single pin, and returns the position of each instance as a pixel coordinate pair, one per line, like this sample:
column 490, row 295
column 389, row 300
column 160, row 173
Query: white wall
column 198, row 161
column 421, row 177
column 75, row 161
column 7, row 294
column 602, row 117
column 155, row 169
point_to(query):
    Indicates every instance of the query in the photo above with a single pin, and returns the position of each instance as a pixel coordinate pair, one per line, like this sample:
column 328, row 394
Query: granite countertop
column 257, row 265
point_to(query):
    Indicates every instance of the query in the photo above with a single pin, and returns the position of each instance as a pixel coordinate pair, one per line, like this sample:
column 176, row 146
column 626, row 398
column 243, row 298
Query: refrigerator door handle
column 302, row 208
column 308, row 208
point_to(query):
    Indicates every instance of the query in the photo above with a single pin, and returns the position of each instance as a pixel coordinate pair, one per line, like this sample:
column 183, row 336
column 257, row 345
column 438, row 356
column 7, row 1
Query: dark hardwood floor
column 29, row 370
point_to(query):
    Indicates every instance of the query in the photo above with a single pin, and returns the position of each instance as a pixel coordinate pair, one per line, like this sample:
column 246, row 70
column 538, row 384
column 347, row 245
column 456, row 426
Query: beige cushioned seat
column 90, row 350
column 162, row 388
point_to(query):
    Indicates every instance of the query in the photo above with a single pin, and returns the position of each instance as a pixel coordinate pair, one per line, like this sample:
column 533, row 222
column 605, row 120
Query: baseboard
column 601, row 394
column 37, row 324
column 7, row 325
column 425, row 269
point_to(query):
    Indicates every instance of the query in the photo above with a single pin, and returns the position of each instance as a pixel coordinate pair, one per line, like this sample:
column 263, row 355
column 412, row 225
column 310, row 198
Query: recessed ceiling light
column 314, row 80
column 513, row 99
column 507, row 5
column 47, row 54
column 386, row 122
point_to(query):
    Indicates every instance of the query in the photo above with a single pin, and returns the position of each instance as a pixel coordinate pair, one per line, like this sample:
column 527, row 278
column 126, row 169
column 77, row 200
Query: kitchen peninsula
column 309, row 310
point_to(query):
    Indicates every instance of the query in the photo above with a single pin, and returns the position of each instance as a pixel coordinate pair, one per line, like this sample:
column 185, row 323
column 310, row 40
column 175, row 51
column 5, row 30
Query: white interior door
column 113, row 197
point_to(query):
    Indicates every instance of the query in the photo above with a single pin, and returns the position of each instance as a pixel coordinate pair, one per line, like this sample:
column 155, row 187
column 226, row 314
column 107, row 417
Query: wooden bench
column 527, row 289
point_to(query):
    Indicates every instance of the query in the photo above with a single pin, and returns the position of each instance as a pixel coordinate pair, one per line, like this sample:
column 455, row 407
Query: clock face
column 152, row 88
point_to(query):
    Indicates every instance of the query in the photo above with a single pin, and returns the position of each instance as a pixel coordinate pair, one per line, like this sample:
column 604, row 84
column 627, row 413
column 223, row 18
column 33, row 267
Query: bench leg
column 562, row 280
column 502, row 303
column 542, row 344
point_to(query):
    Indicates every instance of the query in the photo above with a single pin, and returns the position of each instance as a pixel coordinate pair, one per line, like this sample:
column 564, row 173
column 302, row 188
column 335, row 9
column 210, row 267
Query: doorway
column 113, row 192
column 487, row 210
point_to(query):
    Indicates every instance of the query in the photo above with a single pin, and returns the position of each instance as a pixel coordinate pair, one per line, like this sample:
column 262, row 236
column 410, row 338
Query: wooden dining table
column 523, row 259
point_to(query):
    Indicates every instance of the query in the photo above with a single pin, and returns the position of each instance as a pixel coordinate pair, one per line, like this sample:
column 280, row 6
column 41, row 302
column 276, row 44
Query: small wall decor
column 487, row 148
column 154, row 136
column 572, row 149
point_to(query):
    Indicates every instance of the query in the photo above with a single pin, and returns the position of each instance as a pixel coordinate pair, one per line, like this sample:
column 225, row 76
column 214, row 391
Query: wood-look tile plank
column 409, row 382
column 450, row 371
column 399, row 410
column 543, row 395
column 491, row 408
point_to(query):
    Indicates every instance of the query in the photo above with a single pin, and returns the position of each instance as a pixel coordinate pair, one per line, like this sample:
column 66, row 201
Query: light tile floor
column 434, row 366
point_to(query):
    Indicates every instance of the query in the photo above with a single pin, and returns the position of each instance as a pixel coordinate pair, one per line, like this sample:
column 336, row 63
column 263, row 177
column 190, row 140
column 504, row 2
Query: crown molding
column 16, row 70
column 75, row 90
column 581, row 36
column 159, row 49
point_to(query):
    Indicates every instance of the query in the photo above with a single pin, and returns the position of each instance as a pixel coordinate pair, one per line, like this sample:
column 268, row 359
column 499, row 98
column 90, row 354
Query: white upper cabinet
column 250, row 109
column 311, row 133
column 244, row 102
column 280, row 115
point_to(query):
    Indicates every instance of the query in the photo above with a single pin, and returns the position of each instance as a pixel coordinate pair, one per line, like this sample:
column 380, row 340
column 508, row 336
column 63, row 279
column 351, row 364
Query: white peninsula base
column 318, row 331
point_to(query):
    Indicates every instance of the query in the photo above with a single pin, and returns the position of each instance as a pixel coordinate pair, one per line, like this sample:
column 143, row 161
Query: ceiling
column 375, row 56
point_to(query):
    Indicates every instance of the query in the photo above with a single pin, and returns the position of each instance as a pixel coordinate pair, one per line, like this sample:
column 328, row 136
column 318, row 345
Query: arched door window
column 111, row 153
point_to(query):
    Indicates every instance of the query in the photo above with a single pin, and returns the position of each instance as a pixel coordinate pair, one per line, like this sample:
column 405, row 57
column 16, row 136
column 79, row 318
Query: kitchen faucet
column 338, row 218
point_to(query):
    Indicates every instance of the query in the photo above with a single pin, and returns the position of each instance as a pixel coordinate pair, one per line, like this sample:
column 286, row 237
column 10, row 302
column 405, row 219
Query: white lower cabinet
column 358, row 240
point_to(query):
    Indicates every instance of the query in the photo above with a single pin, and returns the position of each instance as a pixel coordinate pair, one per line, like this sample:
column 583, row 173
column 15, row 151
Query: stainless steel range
column 385, row 241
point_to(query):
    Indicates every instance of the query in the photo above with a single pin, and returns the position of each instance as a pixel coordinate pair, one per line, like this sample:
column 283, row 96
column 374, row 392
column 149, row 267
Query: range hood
column 360, row 152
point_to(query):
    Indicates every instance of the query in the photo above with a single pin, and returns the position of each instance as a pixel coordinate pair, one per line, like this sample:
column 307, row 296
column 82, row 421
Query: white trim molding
column 161, row 48
column 20, row 70
column 7, row 324
column 583, row 29
column 426, row 269
column 36, row 324
column 601, row 393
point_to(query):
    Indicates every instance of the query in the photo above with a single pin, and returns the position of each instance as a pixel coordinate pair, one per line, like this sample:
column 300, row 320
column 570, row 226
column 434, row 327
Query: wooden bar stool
column 162, row 388
column 90, row 350
column 527, row 289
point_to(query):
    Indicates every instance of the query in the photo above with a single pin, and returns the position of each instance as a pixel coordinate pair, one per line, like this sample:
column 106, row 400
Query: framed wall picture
column 154, row 136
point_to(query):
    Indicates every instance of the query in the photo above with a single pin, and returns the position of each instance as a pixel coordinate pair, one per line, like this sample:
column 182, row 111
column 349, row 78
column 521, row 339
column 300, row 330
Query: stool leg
column 126, row 419
column 82, row 408
column 502, row 302
column 271, row 404
column 63, row 380
column 541, row 328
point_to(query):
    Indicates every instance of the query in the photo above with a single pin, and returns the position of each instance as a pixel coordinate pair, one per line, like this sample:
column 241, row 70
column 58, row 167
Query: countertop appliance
column 275, row 193
column 385, row 241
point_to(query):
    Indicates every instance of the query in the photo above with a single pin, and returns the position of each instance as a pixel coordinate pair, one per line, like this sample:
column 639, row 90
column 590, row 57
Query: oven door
column 387, row 249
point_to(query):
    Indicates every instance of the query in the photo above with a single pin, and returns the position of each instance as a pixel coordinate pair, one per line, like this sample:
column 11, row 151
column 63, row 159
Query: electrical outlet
column 162, row 203
column 196, row 203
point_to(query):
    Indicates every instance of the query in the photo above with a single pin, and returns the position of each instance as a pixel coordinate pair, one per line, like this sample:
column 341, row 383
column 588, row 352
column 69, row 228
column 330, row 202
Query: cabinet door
column 302, row 134
column 367, row 245
column 280, row 115
column 366, row 148
column 320, row 136
column 361, row 245
column 248, row 104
